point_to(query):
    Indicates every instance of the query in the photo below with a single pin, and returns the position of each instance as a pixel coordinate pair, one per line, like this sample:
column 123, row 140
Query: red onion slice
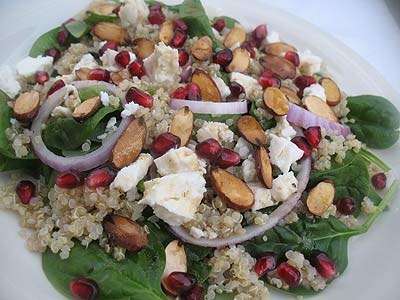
column 207, row 107
column 303, row 118
column 252, row 231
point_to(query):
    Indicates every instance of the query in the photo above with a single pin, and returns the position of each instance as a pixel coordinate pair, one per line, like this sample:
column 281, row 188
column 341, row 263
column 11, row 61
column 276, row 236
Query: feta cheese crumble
column 29, row 66
column 315, row 90
column 222, row 87
column 243, row 148
column 247, row 82
column 283, row 153
column 309, row 63
column 87, row 61
column 262, row 196
column 8, row 83
column 109, row 63
column 133, row 12
column 282, row 129
column 284, row 186
column 215, row 130
column 129, row 109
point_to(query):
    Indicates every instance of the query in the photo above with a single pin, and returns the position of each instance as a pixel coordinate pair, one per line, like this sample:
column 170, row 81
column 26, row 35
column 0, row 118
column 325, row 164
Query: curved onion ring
column 207, row 107
column 252, row 231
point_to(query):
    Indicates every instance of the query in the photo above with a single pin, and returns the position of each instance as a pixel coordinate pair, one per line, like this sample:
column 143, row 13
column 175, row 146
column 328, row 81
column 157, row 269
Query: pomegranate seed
column 163, row 143
column 293, row 57
column 227, row 158
column 84, row 288
column 99, row 75
column 249, row 48
column 266, row 82
column 223, row 57
column 55, row 87
column 313, row 136
column 183, row 57
column 139, row 97
column 117, row 10
column 70, row 20
column 302, row 82
column 324, row 264
column 137, row 69
column 260, row 32
column 123, row 58
column 25, row 190
column 62, row 37
column 156, row 16
column 180, row 24
column 68, row 179
column 112, row 45
column 193, row 91
column 179, row 283
column 346, row 206
column 53, row 52
column 209, row 149
column 179, row 38
column 236, row 89
column 265, row 263
column 219, row 24
column 289, row 274
column 195, row 293
column 179, row 93
column 99, row 178
column 267, row 73
column 302, row 144
column 379, row 181
column 42, row 77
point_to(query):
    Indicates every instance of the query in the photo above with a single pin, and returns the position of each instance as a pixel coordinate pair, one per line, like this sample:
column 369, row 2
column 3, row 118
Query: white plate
column 373, row 258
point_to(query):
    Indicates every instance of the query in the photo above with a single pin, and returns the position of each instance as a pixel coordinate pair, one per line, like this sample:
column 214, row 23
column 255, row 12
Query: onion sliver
column 207, row 107
column 303, row 118
column 252, row 231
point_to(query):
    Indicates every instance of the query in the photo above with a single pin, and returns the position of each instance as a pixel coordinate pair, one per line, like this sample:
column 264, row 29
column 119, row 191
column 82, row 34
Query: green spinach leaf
column 93, row 18
column 44, row 42
column 92, row 91
column 197, row 264
column 218, row 118
column 77, row 29
column 265, row 124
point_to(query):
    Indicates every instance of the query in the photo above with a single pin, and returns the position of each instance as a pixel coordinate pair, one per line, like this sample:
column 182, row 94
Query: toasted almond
column 332, row 91
column 105, row 9
column 231, row 189
column 263, row 166
column 202, row 49
column 290, row 95
column 276, row 101
column 251, row 130
column 129, row 145
column 107, row 31
column 86, row 109
column 142, row 48
column 27, row 106
column 319, row 107
column 278, row 48
column 166, row 32
column 208, row 88
column 182, row 125
column 175, row 258
column 82, row 73
column 237, row 35
column 117, row 77
column 240, row 61
column 278, row 65
column 320, row 198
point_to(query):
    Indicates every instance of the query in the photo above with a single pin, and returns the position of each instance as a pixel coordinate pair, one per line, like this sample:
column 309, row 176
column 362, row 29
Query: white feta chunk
column 61, row 112
column 309, row 63
column 223, row 88
column 273, row 37
column 133, row 12
column 247, row 82
column 109, row 63
column 282, row 129
column 262, row 196
column 216, row 130
column 243, row 148
column 8, row 83
column 315, row 90
column 284, row 186
column 87, row 61
column 283, row 153
column 104, row 98
column 29, row 66
column 129, row 109
column 248, row 169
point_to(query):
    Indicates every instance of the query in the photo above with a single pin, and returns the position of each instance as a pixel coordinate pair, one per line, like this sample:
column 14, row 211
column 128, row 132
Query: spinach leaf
column 218, row 118
column 197, row 264
column 230, row 22
column 92, row 91
column 377, row 121
column 93, row 18
column 44, row 42
column 265, row 124
column 372, row 158
column 77, row 28
column 138, row 277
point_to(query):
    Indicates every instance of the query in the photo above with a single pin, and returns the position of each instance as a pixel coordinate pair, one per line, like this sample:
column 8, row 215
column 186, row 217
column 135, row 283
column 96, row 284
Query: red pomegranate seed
column 62, row 37
column 193, row 91
column 183, row 57
column 236, row 89
column 163, row 143
column 267, row 73
column 100, row 178
column 53, row 52
column 379, row 181
column 99, row 75
column 293, row 57
column 25, row 190
column 302, row 143
column 209, row 149
column 179, row 38
column 289, row 274
column 179, row 283
column 112, row 45
column 179, row 93
column 139, row 97
column 265, row 263
column 324, row 264
column 223, row 57
column 156, row 16
column 249, row 48
column 346, row 206
column 219, row 24
column 123, row 58
column 302, row 82
column 70, row 20
column 266, row 82
column 55, row 87
column 117, row 10
column 42, row 77
column 227, row 158
column 136, row 68
column 84, row 288
column 195, row 293
column 180, row 24
column 313, row 136
column 259, row 34
column 68, row 179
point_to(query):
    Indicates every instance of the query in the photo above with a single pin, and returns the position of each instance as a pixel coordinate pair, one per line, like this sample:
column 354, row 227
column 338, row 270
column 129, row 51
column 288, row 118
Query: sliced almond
column 107, row 31
column 278, row 65
column 231, row 189
column 105, row 9
column 240, row 61
column 182, row 125
column 320, row 198
column 202, row 49
column 166, row 32
column 208, row 88
column 278, row 48
column 82, row 73
column 142, row 48
column 263, row 166
column 86, row 109
column 27, row 106
column 332, row 91
column 251, row 130
column 236, row 36
column 129, row 145
column 276, row 101
column 319, row 107
column 175, row 258
column 290, row 95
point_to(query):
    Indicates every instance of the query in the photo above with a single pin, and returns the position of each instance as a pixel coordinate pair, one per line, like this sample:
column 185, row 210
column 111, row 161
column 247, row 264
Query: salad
column 154, row 152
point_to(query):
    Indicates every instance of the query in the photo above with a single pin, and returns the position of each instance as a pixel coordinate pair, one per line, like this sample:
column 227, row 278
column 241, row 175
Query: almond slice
column 231, row 189
column 175, row 258
column 107, row 31
column 263, row 166
column 320, row 198
column 276, row 101
column 105, row 9
column 251, row 130
column 290, row 95
column 208, row 88
column 129, row 145
column 82, row 73
column 317, row 106
column 27, row 106
column 278, row 48
column 202, row 49
column 332, row 91
column 182, row 125
column 142, row 48
column 240, row 61
column 86, row 109
column 117, row 77
column 278, row 65
column 166, row 32
column 236, row 36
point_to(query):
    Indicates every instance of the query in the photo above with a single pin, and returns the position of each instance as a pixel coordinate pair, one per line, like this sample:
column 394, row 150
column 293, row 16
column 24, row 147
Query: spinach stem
column 372, row 158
